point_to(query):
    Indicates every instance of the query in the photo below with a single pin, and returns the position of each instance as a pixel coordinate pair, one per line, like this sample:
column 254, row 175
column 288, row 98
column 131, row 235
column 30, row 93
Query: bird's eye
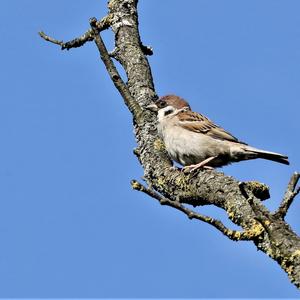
column 169, row 111
column 161, row 104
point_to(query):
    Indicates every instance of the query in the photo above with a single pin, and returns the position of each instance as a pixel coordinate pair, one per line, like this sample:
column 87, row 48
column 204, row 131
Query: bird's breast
column 187, row 147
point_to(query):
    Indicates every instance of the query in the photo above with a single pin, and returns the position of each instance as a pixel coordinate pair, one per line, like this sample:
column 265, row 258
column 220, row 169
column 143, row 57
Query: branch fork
column 88, row 36
column 234, row 235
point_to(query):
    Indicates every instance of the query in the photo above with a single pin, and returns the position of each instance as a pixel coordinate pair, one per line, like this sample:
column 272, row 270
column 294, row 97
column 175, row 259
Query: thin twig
column 231, row 234
column 131, row 103
column 81, row 40
column 50, row 39
column 289, row 196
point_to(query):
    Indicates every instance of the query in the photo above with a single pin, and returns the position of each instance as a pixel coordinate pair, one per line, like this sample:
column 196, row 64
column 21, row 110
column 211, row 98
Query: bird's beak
column 153, row 107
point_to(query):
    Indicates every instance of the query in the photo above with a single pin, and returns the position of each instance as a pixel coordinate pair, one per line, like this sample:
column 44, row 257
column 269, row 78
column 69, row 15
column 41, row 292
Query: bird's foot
column 174, row 168
column 202, row 164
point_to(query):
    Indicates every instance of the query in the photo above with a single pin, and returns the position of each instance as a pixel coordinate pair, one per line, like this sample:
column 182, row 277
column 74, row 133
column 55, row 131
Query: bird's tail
column 283, row 159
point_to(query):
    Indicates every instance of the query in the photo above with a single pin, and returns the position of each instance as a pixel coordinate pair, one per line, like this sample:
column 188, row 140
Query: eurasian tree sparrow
column 194, row 141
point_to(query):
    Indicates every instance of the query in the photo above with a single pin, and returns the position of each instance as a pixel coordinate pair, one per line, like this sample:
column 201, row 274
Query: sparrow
column 194, row 141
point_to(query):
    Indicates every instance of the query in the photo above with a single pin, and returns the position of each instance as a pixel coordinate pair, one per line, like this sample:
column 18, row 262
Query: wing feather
column 198, row 123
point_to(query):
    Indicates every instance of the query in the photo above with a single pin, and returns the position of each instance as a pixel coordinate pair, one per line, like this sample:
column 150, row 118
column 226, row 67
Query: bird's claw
column 201, row 165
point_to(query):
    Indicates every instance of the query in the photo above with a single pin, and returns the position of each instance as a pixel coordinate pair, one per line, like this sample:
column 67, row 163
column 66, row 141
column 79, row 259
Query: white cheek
column 160, row 115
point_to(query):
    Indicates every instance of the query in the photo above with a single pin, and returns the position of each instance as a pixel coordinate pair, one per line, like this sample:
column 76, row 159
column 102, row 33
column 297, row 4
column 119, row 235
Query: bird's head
column 169, row 101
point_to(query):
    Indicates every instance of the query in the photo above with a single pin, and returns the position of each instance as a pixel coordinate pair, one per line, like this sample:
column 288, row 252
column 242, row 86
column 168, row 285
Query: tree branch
column 231, row 234
column 50, row 39
column 88, row 36
column 289, row 196
column 133, row 106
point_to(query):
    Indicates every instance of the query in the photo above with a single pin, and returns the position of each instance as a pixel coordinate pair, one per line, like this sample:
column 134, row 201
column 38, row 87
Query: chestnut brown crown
column 172, row 100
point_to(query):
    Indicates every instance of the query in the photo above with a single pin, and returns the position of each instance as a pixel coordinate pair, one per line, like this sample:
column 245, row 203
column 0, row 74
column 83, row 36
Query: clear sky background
column 70, row 224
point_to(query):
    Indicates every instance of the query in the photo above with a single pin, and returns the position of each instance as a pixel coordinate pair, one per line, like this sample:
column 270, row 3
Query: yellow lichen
column 296, row 253
column 259, row 190
column 160, row 181
column 237, row 234
column 135, row 185
column 257, row 229
column 158, row 145
column 289, row 270
column 180, row 180
column 231, row 215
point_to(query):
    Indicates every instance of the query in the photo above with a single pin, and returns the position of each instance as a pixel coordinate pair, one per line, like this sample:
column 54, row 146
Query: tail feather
column 283, row 159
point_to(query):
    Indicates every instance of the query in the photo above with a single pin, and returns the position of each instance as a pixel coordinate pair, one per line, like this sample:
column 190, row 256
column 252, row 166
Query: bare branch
column 289, row 196
column 47, row 38
column 88, row 36
column 231, row 234
column 133, row 106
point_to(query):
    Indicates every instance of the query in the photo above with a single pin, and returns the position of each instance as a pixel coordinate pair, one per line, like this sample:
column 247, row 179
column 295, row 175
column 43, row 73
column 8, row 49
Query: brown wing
column 198, row 123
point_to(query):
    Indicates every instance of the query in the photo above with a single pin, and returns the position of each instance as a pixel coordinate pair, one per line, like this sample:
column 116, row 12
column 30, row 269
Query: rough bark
column 242, row 201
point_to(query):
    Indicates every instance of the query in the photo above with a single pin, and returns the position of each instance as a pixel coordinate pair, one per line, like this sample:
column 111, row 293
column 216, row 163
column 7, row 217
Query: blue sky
column 70, row 225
